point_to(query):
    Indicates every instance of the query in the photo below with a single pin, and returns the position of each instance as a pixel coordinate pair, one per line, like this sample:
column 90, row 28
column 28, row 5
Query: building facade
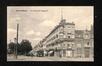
column 84, row 43
column 65, row 41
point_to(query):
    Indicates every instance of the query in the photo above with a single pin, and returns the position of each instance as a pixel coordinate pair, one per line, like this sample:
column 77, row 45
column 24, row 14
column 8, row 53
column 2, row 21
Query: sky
column 36, row 22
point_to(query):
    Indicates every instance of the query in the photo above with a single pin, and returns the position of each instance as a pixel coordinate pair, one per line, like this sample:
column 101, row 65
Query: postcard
column 50, row 33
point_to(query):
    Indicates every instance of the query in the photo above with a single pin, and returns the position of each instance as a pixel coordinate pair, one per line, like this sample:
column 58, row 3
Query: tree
column 25, row 46
column 18, row 49
column 11, row 46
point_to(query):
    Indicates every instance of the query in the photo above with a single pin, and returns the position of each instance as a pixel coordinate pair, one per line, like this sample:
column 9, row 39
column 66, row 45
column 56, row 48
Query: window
column 56, row 36
column 68, row 33
column 69, row 27
column 78, row 35
column 78, row 45
column 61, row 36
column 78, row 50
column 73, row 36
column 68, row 36
column 86, row 37
column 61, row 32
column 68, row 45
column 88, row 43
column 63, row 44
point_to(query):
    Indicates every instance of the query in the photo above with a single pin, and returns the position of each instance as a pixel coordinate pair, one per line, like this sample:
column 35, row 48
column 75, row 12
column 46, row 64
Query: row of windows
column 85, row 36
column 67, row 33
column 52, row 44
column 56, row 36
column 70, row 27
column 61, row 32
column 67, row 27
column 70, row 33
column 68, row 45
column 79, row 50
column 60, row 36
column 64, row 36
column 64, row 45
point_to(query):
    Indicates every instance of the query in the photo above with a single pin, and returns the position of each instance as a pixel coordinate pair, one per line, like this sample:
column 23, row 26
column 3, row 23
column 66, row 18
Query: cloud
column 37, row 39
column 32, row 32
column 10, row 30
column 11, row 34
column 36, row 25
column 38, row 33
column 48, row 23
column 83, row 23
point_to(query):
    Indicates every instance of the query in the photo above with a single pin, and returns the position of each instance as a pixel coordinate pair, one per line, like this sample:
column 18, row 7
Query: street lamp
column 16, row 39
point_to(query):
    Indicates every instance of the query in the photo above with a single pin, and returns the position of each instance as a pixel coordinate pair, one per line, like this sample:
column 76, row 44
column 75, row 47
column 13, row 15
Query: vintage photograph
column 50, row 33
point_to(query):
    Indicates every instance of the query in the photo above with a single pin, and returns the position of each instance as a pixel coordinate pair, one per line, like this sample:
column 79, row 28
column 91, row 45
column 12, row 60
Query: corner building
column 61, row 40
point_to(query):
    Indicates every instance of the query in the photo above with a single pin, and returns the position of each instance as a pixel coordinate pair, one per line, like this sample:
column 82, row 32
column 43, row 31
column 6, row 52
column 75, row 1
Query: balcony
column 67, row 39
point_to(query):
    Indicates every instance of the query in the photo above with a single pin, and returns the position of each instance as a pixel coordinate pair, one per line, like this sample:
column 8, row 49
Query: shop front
column 87, row 52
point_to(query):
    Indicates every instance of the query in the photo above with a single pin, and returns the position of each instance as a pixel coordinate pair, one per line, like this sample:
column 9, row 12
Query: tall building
column 65, row 41
column 60, row 40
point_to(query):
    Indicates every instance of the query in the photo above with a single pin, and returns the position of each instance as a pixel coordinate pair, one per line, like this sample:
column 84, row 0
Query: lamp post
column 16, row 41
column 16, row 38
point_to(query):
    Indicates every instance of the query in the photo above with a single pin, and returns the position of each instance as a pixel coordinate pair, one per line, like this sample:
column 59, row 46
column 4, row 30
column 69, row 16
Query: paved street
column 28, row 58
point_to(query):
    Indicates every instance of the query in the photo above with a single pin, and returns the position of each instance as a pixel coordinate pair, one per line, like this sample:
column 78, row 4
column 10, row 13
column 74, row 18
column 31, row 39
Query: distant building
column 83, row 42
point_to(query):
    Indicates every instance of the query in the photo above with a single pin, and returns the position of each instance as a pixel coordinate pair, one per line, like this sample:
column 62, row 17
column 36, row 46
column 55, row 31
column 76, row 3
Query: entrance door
column 87, row 52
column 69, row 53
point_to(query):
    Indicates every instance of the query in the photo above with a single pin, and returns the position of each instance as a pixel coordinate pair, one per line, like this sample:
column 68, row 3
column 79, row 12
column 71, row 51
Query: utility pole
column 16, row 41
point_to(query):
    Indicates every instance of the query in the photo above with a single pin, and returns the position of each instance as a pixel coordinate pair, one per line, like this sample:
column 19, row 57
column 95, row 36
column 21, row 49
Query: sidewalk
column 29, row 58
column 71, row 59
column 19, row 58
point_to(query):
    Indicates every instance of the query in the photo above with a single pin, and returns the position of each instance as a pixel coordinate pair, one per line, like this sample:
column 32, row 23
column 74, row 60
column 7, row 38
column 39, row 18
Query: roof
column 69, row 23
column 56, row 27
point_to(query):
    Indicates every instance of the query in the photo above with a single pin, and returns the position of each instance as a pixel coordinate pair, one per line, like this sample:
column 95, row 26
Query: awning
column 50, row 52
